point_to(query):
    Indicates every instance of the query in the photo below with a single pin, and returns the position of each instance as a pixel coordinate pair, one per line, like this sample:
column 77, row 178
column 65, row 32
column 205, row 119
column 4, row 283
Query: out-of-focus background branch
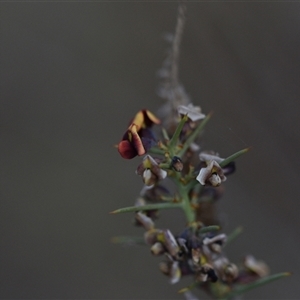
column 72, row 76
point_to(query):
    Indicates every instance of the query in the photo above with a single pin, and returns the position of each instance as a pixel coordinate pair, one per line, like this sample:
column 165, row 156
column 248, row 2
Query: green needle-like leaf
column 232, row 157
column 260, row 282
column 165, row 134
column 177, row 132
column 209, row 228
column 156, row 150
column 128, row 240
column 164, row 166
column 191, row 185
column 194, row 135
column 188, row 288
column 158, row 206
column 233, row 235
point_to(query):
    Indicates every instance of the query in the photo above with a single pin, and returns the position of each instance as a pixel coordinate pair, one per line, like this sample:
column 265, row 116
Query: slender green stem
column 128, row 240
column 209, row 228
column 233, row 235
column 186, row 205
column 176, row 134
column 188, row 288
column 156, row 150
column 194, row 135
column 245, row 288
column 147, row 207
column 164, row 166
column 195, row 193
column 232, row 157
column 165, row 134
column 192, row 184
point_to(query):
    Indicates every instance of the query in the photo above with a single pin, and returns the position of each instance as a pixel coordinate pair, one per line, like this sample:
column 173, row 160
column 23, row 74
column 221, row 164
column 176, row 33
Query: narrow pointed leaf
column 194, row 135
column 177, row 132
column 167, row 199
column 188, row 295
column 164, row 166
column 209, row 229
column 195, row 193
column 233, row 235
column 128, row 240
column 232, row 157
column 165, row 134
column 260, row 282
column 192, row 184
column 188, row 288
column 156, row 150
column 147, row 207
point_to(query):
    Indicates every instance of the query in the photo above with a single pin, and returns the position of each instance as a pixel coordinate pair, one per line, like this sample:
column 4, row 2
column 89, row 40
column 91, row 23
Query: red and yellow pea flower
column 138, row 138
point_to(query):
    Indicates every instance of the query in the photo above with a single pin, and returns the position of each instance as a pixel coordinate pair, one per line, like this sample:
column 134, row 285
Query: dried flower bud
column 177, row 164
column 171, row 268
column 175, row 272
column 157, row 249
column 150, row 236
column 196, row 254
column 169, row 241
column 165, row 267
column 144, row 220
column 231, row 272
column 207, row 272
column 217, row 248
column 182, row 244
column 140, row 201
column 258, row 267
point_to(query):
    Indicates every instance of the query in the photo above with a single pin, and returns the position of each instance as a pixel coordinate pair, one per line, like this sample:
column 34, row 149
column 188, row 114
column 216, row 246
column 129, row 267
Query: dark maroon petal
column 127, row 150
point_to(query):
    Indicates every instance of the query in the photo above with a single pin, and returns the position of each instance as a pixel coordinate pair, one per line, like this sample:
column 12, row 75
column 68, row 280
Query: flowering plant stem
column 186, row 205
column 198, row 250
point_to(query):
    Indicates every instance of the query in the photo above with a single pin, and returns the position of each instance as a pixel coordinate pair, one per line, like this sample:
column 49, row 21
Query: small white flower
column 147, row 177
column 211, row 175
column 206, row 156
column 150, row 171
column 193, row 112
column 213, row 245
column 220, row 238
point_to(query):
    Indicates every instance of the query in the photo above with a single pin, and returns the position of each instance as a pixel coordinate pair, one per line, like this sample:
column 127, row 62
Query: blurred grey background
column 72, row 76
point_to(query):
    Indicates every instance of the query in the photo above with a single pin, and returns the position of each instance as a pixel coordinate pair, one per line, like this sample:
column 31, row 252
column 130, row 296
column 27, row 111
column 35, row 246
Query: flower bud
column 257, row 267
column 231, row 272
column 157, row 249
column 177, row 164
